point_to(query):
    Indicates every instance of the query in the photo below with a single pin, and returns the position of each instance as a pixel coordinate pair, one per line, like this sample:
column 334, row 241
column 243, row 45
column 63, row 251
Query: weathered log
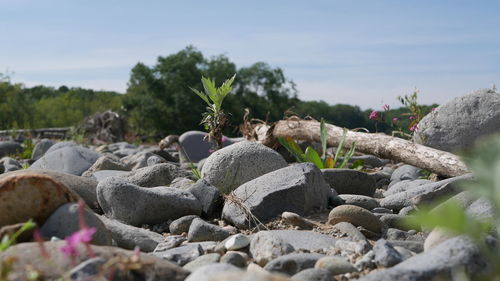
column 378, row 144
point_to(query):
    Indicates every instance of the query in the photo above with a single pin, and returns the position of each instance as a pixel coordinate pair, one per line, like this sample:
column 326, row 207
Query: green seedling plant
column 325, row 161
column 8, row 241
column 214, row 119
column 450, row 216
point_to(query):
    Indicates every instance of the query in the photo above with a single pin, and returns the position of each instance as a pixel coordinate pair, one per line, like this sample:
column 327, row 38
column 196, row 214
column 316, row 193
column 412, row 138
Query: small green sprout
column 325, row 161
column 214, row 119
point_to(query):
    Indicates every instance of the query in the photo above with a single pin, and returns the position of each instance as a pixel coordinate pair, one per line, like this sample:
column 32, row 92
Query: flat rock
column 405, row 172
column 239, row 163
column 404, row 199
column 313, row 274
column 347, row 181
column 335, row 265
column 446, row 128
column 180, row 255
column 152, row 268
column 105, row 163
column 362, row 201
column 135, row 205
column 292, row 263
column 405, row 185
column 71, row 160
column 129, row 237
column 31, row 196
column 356, row 216
column 201, row 261
column 439, row 261
column 206, row 272
column 299, row 188
column 157, row 175
column 268, row 245
column 236, row 242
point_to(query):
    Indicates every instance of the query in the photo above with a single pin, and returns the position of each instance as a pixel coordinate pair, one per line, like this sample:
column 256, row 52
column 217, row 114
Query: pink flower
column 82, row 236
column 395, row 119
column 411, row 117
column 433, row 109
column 373, row 115
column 224, row 138
column 211, row 151
column 385, row 107
column 414, row 128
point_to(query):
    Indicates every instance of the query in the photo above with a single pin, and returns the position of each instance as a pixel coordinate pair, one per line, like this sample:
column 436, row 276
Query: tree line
column 158, row 100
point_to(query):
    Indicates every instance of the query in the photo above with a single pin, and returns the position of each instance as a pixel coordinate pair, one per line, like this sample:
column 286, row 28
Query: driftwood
column 378, row 144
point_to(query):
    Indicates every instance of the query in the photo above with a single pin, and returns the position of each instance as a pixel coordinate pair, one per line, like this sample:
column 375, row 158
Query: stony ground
column 127, row 212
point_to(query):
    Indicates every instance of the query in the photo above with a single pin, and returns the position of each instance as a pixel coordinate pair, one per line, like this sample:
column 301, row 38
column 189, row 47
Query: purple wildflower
column 373, row 115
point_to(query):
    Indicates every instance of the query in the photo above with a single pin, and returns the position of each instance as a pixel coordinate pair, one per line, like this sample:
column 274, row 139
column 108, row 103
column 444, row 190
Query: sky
column 364, row 53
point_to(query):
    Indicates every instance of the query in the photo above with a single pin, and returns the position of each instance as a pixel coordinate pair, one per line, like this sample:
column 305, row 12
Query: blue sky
column 363, row 53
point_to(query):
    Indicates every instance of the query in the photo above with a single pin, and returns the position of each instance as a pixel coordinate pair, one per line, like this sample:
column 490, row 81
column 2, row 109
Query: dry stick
column 378, row 144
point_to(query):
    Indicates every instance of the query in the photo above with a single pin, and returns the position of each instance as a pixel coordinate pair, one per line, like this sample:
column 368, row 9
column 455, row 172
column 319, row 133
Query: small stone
column 202, row 261
column 355, row 215
column 385, row 254
column 206, row 272
column 362, row 201
column 296, row 220
column 87, row 270
column 236, row 242
column 180, row 255
column 181, row 224
column 313, row 274
column 293, row 263
column 203, row 231
column 335, row 265
column 233, row 258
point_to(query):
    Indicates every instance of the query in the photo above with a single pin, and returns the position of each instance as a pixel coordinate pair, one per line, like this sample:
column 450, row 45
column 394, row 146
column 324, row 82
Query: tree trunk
column 381, row 145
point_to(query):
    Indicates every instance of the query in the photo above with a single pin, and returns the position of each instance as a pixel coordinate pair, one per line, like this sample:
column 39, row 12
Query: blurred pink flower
column 414, row 128
column 82, row 236
column 224, row 138
column 386, row 107
column 211, row 150
column 395, row 119
column 433, row 109
column 373, row 115
column 411, row 117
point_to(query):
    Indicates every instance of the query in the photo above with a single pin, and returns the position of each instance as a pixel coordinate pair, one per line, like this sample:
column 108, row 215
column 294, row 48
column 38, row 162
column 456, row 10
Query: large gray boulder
column 236, row 164
column 156, row 175
column 298, row 188
column 458, row 123
column 70, row 159
column 135, row 205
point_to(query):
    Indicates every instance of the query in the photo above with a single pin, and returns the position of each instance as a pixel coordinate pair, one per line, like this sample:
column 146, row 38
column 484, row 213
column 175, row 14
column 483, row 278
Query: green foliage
column 484, row 162
column 214, row 119
column 7, row 241
column 311, row 155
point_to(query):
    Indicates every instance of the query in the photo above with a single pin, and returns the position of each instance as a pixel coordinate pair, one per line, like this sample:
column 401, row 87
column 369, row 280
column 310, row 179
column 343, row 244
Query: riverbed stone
column 135, row 205
column 31, row 195
column 447, row 129
column 64, row 221
column 362, row 201
column 40, row 148
column 209, row 197
column 73, row 160
column 9, row 148
column 200, row 230
column 347, row 181
column 299, row 188
column 293, row 263
column 356, row 216
column 128, row 237
column 239, row 163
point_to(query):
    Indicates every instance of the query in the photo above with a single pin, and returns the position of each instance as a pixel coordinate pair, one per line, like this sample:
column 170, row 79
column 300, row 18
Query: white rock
column 236, row 242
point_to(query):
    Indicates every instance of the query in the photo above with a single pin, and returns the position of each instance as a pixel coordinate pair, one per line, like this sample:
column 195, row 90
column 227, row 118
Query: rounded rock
column 239, row 163
column 31, row 195
column 357, row 216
